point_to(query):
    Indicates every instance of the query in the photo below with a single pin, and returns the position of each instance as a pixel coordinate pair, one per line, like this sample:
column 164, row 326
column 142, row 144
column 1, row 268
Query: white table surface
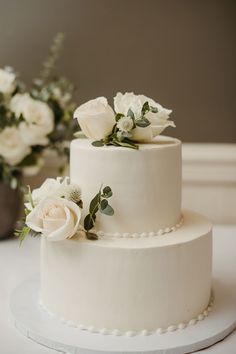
column 17, row 264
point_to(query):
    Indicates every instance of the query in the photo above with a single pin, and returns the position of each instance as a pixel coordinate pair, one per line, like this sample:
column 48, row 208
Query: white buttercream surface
column 130, row 285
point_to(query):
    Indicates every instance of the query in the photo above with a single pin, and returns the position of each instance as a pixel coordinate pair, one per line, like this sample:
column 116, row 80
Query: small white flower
column 12, row 147
column 72, row 192
column 39, row 119
column 7, row 81
column 62, row 98
column 125, row 124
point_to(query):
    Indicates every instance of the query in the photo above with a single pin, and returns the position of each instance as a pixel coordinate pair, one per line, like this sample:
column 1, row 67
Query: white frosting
column 144, row 332
column 160, row 232
column 130, row 286
column 146, row 183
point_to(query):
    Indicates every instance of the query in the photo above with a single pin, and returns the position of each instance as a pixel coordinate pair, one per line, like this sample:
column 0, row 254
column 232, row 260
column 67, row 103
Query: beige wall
column 180, row 52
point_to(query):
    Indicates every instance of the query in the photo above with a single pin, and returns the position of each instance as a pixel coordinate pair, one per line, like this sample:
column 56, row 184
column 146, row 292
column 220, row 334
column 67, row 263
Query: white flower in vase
column 12, row 147
column 39, row 119
column 7, row 82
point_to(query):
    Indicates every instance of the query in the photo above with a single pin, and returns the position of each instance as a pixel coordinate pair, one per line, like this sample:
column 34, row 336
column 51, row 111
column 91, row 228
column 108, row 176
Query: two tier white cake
column 150, row 269
column 147, row 268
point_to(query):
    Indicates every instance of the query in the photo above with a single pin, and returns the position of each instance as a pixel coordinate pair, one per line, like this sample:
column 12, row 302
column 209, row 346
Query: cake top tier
column 146, row 185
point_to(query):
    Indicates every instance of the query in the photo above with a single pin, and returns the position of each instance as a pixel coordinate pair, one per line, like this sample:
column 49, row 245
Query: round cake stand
column 38, row 325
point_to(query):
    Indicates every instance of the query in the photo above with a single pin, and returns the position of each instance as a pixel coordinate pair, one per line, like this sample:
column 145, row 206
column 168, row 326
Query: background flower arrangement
column 33, row 120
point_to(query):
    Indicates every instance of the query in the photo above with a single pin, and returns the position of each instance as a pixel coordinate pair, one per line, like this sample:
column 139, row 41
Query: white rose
column 12, row 147
column 39, row 119
column 96, row 118
column 50, row 188
column 7, row 81
column 159, row 121
column 55, row 218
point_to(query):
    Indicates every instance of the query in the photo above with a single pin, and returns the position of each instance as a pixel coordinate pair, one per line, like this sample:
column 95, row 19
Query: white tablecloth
column 19, row 263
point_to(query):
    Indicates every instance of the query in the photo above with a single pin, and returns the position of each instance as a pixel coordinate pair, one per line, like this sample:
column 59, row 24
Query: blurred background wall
column 180, row 52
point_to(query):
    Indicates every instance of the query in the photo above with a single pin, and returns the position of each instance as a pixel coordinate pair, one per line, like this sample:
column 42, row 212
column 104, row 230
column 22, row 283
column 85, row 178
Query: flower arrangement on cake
column 54, row 211
column 135, row 118
column 32, row 121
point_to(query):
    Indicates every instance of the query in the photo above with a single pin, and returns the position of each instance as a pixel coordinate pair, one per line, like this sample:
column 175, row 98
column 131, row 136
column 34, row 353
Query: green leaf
column 119, row 116
column 145, row 108
column 22, row 234
column 98, row 143
column 89, row 222
column 94, row 204
column 30, row 196
column 103, row 205
column 127, row 144
column 131, row 114
column 143, row 123
column 107, row 192
column 108, row 210
column 153, row 109
column 79, row 135
column 91, row 236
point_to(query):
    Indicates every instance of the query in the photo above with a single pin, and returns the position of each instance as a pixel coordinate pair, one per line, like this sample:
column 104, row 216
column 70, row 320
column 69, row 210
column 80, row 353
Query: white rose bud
column 7, row 82
column 39, row 119
column 55, row 218
column 12, row 147
column 96, row 118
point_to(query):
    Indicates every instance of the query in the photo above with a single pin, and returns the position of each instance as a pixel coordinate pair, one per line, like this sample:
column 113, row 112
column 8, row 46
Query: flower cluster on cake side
column 54, row 211
column 135, row 119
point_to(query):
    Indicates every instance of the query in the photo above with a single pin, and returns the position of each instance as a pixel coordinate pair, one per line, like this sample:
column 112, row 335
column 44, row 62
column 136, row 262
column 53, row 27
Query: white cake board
column 37, row 324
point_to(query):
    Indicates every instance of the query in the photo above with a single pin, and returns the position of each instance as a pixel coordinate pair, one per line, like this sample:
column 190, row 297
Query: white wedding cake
column 149, row 268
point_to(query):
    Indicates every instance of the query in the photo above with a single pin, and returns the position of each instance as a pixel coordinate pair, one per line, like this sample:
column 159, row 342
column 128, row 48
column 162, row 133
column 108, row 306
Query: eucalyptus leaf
column 108, row 210
column 94, row 204
column 153, row 109
column 119, row 116
column 107, row 192
column 145, row 108
column 98, row 143
column 91, row 236
column 143, row 123
column 89, row 222
column 130, row 114
column 128, row 144
column 104, row 204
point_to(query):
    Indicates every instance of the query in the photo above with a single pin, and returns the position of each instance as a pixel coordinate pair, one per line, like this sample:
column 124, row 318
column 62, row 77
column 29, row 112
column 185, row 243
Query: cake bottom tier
column 130, row 285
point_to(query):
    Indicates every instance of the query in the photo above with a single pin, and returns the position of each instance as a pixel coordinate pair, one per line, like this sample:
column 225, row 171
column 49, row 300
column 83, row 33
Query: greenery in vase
column 34, row 120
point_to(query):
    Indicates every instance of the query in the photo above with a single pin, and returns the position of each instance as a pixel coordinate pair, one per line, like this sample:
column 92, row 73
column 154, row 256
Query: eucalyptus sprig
column 98, row 203
column 54, row 53
column 124, row 138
